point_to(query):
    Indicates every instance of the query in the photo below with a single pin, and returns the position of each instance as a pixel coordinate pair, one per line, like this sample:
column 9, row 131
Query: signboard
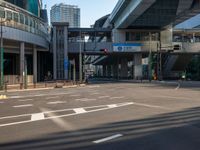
column 127, row 47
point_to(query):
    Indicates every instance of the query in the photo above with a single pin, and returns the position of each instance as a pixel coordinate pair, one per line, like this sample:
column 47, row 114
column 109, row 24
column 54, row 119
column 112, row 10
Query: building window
column 9, row 15
column 2, row 13
column 26, row 20
column 16, row 17
column 21, row 18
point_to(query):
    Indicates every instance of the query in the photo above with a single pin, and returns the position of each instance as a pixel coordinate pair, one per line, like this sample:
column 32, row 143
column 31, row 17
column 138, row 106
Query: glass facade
column 32, row 6
column 66, row 13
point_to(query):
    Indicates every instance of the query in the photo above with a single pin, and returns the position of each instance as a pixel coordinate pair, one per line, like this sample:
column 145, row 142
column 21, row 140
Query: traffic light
column 177, row 47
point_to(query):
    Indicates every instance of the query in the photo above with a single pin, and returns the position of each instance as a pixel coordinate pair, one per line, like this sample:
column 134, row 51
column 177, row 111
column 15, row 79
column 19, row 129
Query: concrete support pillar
column 116, row 70
column 124, row 68
column 54, row 55
column 109, row 71
column 34, row 65
column 104, row 70
column 66, row 61
column 138, row 66
column 22, row 61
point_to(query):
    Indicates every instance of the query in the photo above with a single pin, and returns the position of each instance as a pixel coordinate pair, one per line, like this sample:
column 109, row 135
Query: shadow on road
column 171, row 131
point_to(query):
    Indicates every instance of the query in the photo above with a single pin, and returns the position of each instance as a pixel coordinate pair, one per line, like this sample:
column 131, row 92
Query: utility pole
column 80, row 60
column 1, row 59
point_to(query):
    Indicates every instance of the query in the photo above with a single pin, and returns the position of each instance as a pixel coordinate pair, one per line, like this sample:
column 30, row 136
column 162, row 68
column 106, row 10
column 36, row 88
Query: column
column 104, row 70
column 124, row 68
column 54, row 55
column 115, row 70
column 109, row 71
column 34, row 64
column 138, row 66
column 22, row 71
column 66, row 61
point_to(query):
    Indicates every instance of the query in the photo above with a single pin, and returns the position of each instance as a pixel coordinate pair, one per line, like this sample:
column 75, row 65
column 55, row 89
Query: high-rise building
column 66, row 13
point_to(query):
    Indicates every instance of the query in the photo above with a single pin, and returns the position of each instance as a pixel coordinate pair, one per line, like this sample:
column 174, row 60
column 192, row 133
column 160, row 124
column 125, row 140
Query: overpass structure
column 141, row 28
column 135, row 35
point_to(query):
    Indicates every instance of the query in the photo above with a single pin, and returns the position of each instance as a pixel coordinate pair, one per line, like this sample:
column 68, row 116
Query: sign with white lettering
column 127, row 47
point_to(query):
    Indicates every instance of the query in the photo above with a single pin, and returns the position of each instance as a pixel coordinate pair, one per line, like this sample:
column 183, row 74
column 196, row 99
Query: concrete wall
column 23, row 36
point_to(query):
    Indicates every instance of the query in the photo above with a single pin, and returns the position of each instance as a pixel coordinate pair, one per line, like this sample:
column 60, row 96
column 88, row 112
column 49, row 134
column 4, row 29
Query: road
column 103, row 116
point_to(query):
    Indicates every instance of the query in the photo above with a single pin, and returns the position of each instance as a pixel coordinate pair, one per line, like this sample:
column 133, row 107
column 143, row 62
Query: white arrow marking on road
column 108, row 138
column 19, row 106
column 38, row 116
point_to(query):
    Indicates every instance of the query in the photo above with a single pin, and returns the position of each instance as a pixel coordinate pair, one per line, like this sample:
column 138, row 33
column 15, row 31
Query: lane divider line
column 107, row 138
column 24, row 100
column 20, row 106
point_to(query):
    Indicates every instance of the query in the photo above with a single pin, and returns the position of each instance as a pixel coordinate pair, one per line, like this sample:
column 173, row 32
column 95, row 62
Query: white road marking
column 112, row 106
column 1, row 102
column 20, row 106
column 56, row 102
column 59, row 121
column 120, row 97
column 76, row 110
column 94, row 93
column 79, row 110
column 171, row 97
column 150, row 106
column 101, row 97
column 74, row 95
column 39, row 95
column 52, row 97
column 86, row 99
column 38, row 116
column 94, row 86
column 108, row 138
column 24, row 100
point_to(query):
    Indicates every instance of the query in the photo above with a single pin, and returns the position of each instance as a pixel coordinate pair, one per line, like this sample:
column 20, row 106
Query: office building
column 66, row 13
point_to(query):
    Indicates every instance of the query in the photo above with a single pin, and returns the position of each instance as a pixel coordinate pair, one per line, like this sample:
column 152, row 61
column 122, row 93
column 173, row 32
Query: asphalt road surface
column 103, row 116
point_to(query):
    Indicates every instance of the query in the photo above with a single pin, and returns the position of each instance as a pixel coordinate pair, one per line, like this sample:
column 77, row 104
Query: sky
column 91, row 10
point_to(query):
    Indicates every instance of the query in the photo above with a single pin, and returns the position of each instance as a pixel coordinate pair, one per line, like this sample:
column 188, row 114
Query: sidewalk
column 41, row 86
